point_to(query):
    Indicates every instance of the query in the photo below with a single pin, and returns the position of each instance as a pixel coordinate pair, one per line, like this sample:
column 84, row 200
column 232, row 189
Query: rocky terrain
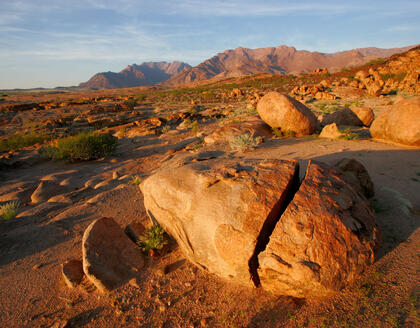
column 286, row 201
column 135, row 75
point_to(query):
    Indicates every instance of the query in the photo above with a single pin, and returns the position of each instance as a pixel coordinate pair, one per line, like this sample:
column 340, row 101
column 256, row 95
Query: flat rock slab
column 324, row 239
column 110, row 258
column 217, row 209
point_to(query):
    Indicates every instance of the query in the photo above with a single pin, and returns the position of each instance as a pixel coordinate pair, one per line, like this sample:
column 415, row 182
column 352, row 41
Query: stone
column 45, row 190
column 134, row 230
column 323, row 241
column 219, row 209
column 110, row 258
column 286, row 113
column 331, row 131
column 364, row 114
column 357, row 175
column 251, row 125
column 72, row 272
column 400, row 123
column 343, row 116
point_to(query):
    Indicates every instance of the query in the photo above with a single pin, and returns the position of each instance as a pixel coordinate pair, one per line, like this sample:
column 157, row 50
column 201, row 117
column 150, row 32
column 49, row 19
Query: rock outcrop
column 110, row 258
column 400, row 123
column 324, row 239
column 287, row 114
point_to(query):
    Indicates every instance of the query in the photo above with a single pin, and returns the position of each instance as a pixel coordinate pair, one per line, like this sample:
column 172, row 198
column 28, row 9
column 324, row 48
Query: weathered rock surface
column 400, row 123
column 286, row 113
column 110, row 258
column 252, row 125
column 218, row 209
column 331, row 131
column 324, row 239
column 72, row 272
column 356, row 174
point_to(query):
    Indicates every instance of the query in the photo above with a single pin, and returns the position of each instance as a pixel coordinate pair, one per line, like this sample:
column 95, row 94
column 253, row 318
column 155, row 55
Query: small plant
column 153, row 239
column 348, row 135
column 8, row 211
column 194, row 127
column 245, row 142
column 283, row 134
column 135, row 180
column 82, row 147
column 166, row 128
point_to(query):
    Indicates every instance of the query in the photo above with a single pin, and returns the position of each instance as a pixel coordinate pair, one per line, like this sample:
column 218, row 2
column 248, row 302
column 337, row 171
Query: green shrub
column 135, row 180
column 8, row 211
column 153, row 238
column 283, row 134
column 82, row 147
column 21, row 140
column 245, row 142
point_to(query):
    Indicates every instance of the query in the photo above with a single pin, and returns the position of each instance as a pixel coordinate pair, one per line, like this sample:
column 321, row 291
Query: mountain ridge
column 147, row 73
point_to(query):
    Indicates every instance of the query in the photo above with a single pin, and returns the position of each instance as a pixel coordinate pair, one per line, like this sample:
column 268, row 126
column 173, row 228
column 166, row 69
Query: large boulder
column 110, row 258
column 324, row 239
column 400, row 123
column 219, row 209
column 286, row 113
column 356, row 174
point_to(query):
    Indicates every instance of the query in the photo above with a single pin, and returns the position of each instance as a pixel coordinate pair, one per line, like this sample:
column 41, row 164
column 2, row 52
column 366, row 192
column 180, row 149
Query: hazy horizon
column 57, row 43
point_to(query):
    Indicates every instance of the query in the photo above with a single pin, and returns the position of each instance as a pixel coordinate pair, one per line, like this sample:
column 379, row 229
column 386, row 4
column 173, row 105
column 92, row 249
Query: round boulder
column 288, row 114
column 400, row 123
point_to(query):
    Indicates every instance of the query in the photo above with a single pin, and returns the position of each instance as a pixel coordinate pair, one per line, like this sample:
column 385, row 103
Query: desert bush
column 166, row 128
column 21, row 140
column 278, row 133
column 153, row 238
column 245, row 142
column 82, row 147
column 8, row 211
column 348, row 135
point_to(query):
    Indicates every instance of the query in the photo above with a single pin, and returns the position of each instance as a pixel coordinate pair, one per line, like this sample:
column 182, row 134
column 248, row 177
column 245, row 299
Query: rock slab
column 286, row 113
column 324, row 239
column 218, row 209
column 110, row 258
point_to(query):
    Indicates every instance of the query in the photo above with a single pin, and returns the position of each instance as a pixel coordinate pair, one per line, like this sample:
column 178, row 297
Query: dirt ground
column 171, row 292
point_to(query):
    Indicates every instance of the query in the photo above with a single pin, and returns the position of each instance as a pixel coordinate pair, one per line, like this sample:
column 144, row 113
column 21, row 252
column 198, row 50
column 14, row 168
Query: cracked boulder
column 324, row 239
column 220, row 210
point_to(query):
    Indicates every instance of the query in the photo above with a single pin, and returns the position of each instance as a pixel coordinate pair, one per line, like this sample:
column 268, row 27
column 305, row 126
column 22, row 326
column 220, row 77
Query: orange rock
column 286, row 113
column 323, row 241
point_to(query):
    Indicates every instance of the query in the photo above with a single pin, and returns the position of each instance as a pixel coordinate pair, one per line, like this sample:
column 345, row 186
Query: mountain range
column 148, row 73
column 237, row 62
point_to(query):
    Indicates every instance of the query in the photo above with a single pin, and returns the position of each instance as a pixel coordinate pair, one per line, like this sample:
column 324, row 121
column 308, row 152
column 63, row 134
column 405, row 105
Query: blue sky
column 48, row 43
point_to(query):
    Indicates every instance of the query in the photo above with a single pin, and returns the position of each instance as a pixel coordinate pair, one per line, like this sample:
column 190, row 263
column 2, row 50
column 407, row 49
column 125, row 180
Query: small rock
column 331, row 131
column 134, row 230
column 115, row 175
column 203, row 322
column 72, row 272
column 60, row 324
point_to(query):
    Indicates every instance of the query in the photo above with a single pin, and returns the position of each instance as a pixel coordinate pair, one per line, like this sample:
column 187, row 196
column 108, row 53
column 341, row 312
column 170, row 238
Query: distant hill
column 276, row 60
column 149, row 73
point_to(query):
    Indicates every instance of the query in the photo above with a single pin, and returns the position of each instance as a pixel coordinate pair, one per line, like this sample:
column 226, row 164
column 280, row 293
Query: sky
column 49, row 43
